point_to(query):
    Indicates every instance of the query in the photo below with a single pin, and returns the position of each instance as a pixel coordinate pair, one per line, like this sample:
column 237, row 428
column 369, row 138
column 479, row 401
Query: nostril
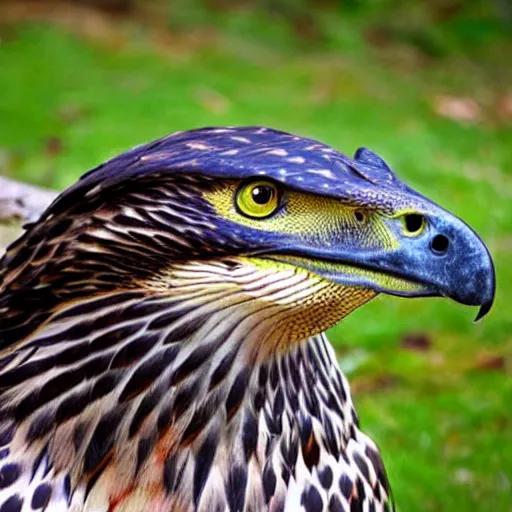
column 359, row 215
column 439, row 244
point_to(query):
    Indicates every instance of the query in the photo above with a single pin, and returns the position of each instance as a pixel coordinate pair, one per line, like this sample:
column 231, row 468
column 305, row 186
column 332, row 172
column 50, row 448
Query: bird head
column 286, row 220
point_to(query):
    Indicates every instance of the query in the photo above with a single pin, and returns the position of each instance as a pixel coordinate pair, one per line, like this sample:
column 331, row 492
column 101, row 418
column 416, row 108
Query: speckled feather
column 249, row 152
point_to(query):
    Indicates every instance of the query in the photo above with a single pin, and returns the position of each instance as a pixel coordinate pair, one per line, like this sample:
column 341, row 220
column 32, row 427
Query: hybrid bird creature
column 161, row 326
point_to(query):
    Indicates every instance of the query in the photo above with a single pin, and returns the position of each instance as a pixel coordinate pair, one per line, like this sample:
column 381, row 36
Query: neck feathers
column 201, row 382
column 194, row 383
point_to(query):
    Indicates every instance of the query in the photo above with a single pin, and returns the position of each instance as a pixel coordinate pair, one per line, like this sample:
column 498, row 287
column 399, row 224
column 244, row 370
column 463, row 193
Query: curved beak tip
column 484, row 309
column 486, row 304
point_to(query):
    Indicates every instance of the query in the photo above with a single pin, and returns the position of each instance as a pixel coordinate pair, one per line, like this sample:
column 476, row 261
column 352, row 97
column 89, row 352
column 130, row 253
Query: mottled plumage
column 161, row 340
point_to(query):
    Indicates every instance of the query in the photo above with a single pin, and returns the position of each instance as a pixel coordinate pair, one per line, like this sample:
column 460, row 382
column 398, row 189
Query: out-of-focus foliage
column 427, row 84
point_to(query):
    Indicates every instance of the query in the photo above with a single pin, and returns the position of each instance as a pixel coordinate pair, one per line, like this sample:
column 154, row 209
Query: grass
column 440, row 415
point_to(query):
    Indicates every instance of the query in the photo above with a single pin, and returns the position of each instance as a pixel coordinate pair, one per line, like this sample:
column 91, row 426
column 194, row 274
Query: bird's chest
column 291, row 471
column 276, row 459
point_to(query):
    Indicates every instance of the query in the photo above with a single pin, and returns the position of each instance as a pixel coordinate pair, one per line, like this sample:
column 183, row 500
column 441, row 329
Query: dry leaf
column 417, row 341
column 461, row 109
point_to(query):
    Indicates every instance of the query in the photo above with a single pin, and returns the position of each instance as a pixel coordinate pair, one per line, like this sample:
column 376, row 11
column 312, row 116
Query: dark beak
column 449, row 258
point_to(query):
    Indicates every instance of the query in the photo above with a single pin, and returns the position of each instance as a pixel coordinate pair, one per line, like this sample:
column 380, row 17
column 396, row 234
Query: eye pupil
column 262, row 194
column 413, row 222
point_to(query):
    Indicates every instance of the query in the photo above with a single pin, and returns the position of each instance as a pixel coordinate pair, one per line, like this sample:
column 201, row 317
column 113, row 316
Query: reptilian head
column 290, row 223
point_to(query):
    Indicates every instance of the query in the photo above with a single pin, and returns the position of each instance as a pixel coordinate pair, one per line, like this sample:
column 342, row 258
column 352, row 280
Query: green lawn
column 442, row 414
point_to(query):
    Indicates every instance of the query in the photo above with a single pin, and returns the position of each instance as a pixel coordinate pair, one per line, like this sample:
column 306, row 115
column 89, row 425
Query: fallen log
column 20, row 203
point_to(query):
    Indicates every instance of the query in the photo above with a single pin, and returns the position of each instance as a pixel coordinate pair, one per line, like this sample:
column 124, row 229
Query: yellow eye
column 258, row 199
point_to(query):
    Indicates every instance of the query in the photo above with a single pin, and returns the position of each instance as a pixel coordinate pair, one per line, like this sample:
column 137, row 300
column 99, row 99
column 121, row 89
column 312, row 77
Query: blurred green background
column 425, row 83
